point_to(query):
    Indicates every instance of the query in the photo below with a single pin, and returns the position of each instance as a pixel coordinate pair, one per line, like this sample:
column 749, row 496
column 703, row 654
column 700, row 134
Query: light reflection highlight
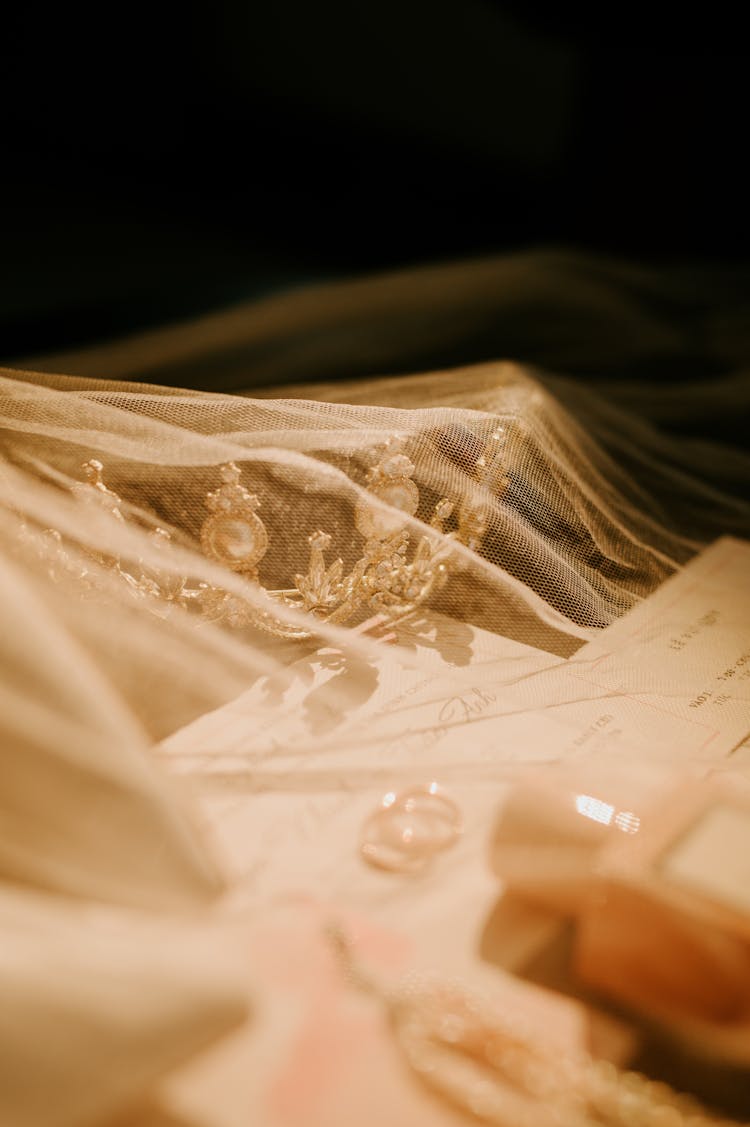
column 604, row 812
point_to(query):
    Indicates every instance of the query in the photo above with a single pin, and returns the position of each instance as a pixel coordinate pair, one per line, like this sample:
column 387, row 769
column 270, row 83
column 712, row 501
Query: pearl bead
column 233, row 538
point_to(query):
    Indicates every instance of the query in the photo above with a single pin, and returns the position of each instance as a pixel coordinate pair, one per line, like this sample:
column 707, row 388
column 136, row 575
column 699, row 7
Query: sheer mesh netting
column 164, row 552
column 473, row 493
column 175, row 548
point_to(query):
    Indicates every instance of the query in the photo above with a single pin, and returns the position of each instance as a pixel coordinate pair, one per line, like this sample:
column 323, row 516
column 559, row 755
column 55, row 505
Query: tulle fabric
column 591, row 507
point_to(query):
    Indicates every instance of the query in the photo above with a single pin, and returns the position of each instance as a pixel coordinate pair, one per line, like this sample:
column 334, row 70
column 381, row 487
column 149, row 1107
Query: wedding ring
column 408, row 829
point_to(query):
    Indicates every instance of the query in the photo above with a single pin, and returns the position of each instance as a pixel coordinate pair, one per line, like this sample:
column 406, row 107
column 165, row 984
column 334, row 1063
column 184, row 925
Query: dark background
column 158, row 162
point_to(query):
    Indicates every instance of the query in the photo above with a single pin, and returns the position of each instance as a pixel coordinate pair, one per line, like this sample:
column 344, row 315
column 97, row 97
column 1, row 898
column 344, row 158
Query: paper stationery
column 673, row 675
column 286, row 780
column 670, row 679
